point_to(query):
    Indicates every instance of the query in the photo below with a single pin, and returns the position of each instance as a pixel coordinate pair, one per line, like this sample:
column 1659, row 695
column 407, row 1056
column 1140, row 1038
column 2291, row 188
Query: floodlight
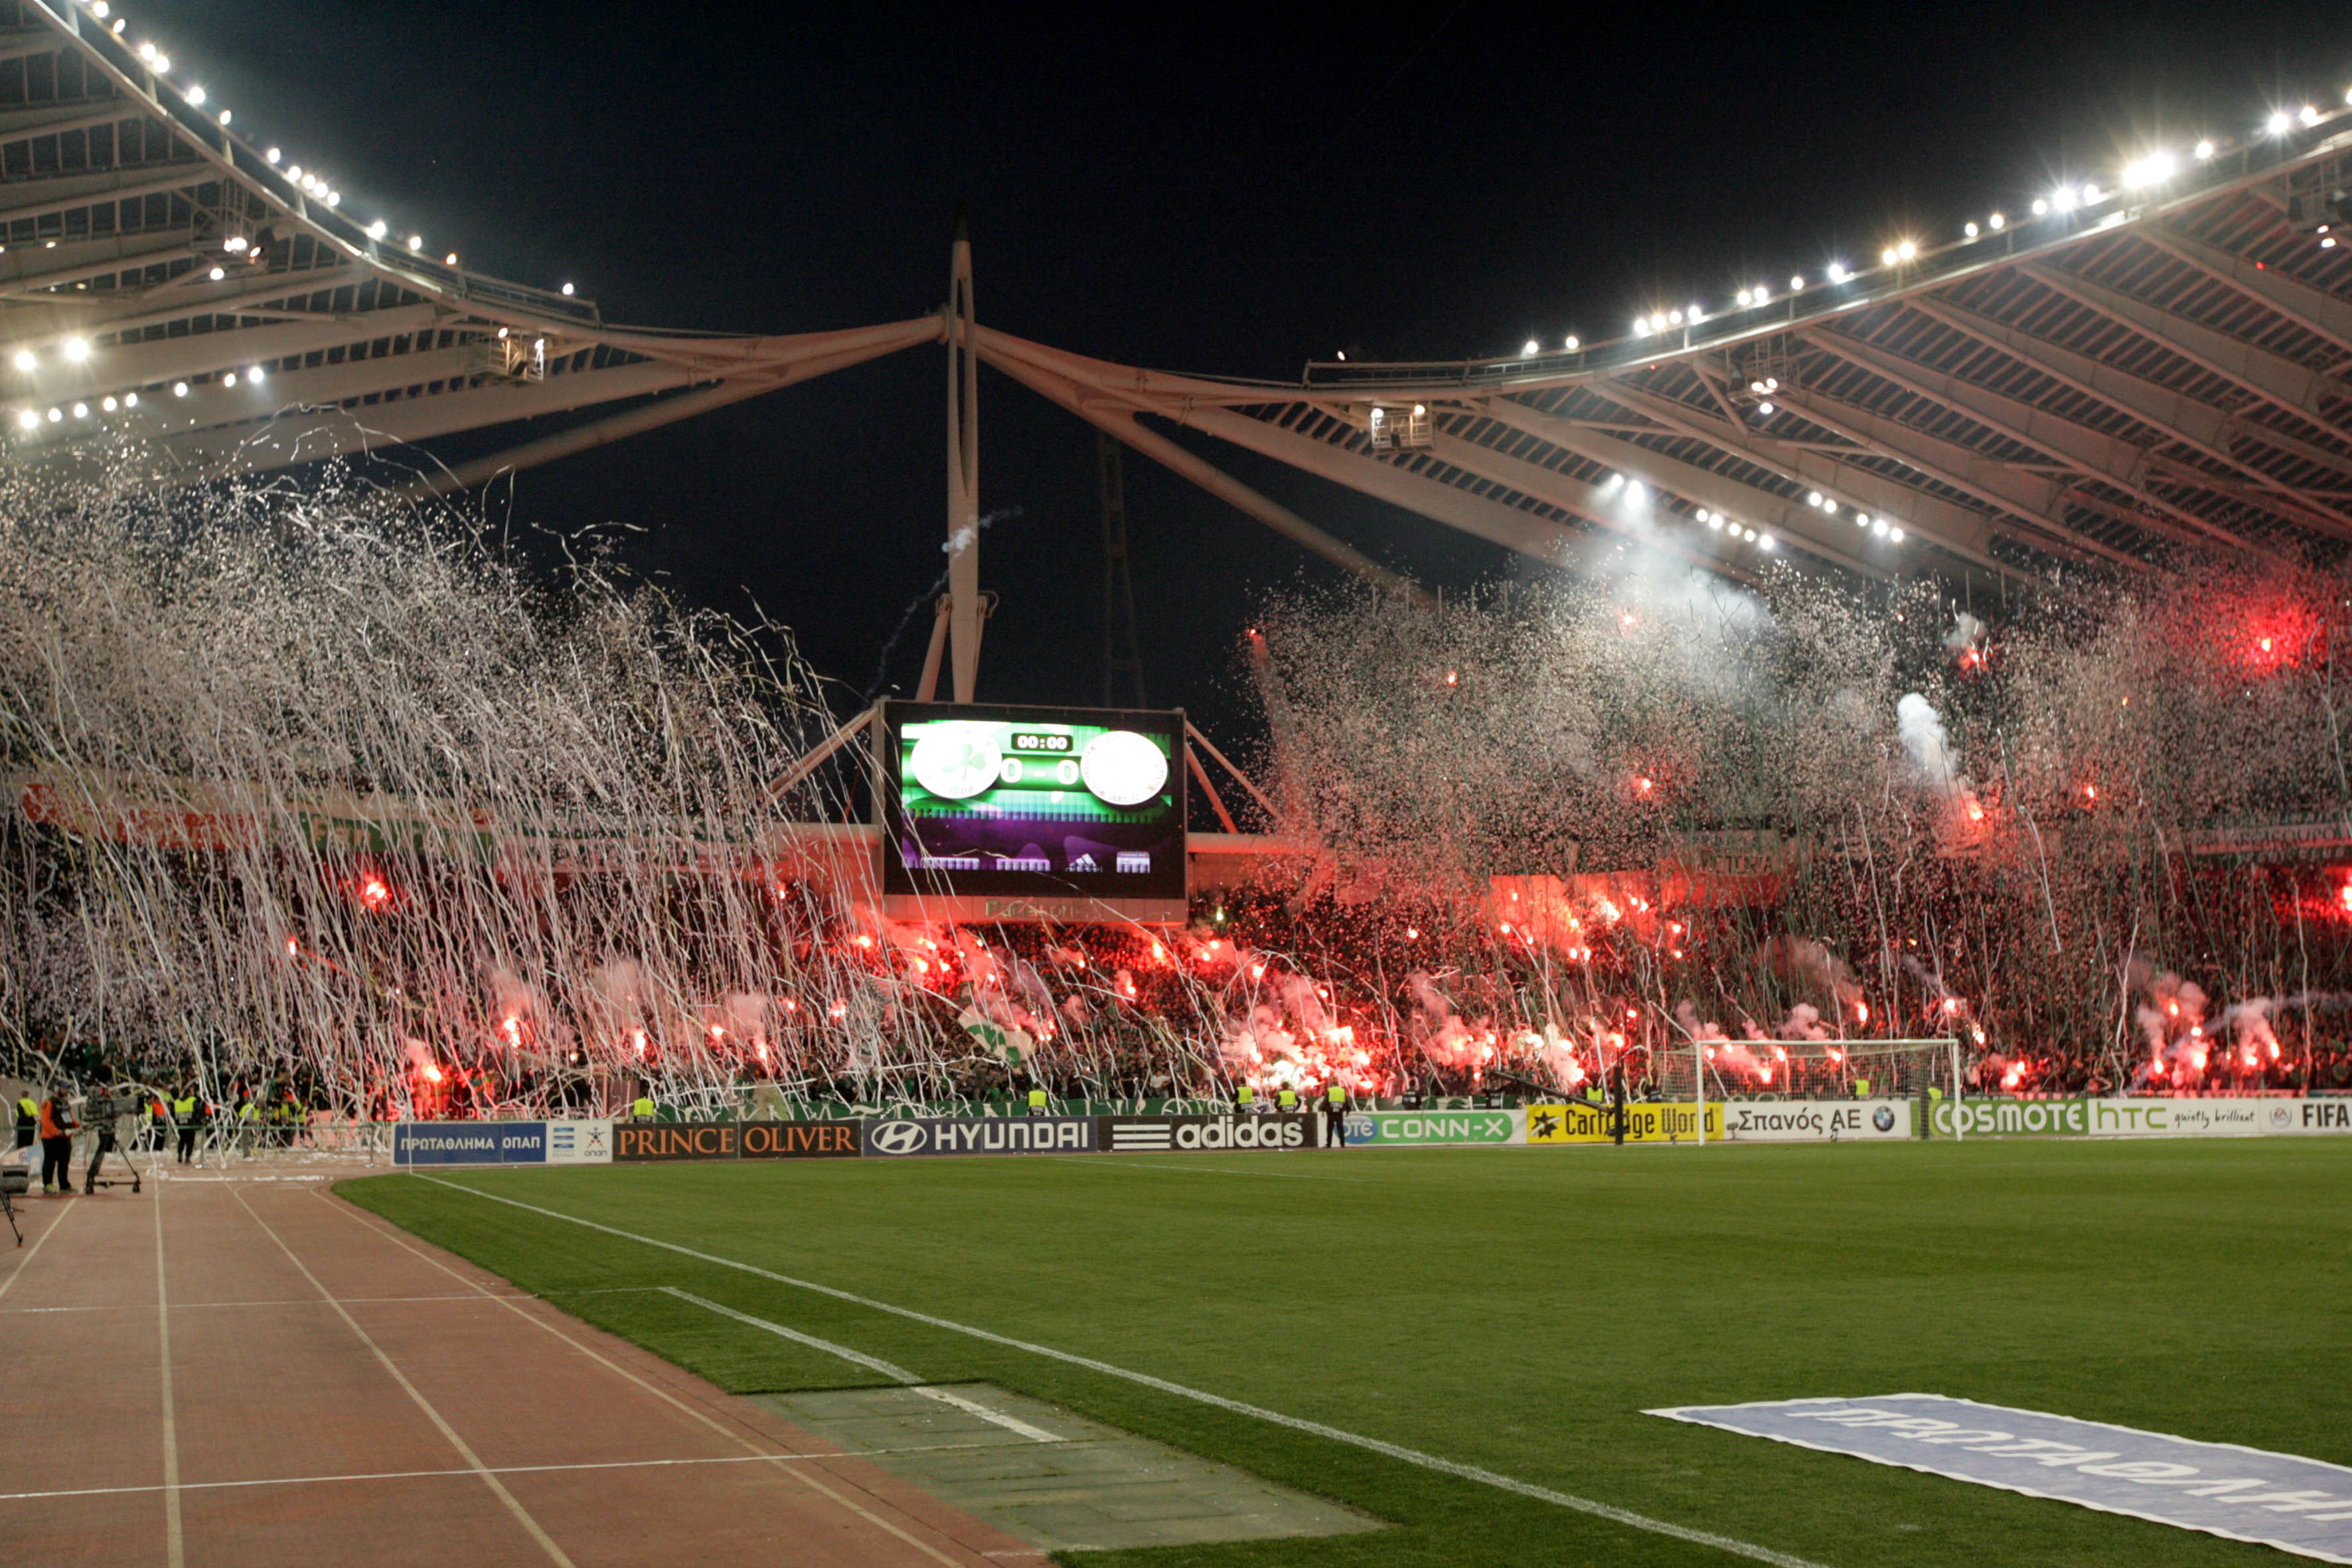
column 2204, row 151
column 77, row 348
column 2277, row 124
column 26, row 360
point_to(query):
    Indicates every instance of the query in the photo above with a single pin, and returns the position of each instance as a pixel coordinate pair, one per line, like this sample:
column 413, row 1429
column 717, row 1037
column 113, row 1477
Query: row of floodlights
column 32, row 418
column 1638, row 493
column 312, row 182
column 2150, row 170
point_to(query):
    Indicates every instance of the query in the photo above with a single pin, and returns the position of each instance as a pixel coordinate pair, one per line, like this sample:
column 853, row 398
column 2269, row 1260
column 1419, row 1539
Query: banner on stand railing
column 1424, row 1129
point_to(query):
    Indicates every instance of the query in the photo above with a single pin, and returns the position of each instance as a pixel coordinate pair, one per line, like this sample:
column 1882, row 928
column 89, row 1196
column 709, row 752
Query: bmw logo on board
column 1882, row 1118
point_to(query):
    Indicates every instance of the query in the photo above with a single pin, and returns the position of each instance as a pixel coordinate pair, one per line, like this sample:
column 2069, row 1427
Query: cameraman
column 58, row 1127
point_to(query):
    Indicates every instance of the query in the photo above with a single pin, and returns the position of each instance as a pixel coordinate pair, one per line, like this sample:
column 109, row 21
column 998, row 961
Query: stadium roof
column 2152, row 360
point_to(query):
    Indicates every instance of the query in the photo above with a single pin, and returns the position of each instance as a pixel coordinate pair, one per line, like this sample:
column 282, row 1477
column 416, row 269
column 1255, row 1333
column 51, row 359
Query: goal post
column 1701, row 1070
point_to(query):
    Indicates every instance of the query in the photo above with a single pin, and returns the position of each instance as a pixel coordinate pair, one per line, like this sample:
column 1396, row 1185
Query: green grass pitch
column 1517, row 1309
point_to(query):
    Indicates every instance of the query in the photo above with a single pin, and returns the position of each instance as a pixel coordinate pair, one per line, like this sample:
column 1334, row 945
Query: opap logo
column 1882, row 1118
column 900, row 1137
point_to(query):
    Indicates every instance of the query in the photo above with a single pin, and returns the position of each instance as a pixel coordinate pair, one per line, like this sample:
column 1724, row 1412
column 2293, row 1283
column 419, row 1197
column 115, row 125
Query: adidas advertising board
column 1195, row 1135
column 1815, row 1121
column 900, row 1137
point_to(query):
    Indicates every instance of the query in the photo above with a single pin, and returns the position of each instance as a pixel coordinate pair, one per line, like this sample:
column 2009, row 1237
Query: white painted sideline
column 874, row 1363
column 1615, row 1515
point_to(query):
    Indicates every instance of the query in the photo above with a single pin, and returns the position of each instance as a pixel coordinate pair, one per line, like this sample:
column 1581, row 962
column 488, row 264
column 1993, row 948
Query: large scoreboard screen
column 1049, row 811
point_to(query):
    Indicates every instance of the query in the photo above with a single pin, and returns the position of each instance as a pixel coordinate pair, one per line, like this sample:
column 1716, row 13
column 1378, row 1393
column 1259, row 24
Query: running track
column 255, row 1372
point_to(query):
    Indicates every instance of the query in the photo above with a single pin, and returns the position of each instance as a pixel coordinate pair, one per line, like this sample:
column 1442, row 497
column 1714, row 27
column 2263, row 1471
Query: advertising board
column 900, row 1137
column 1815, row 1121
column 800, row 1140
column 1647, row 1122
column 1001, row 809
column 2210, row 1115
column 1150, row 1134
column 580, row 1142
column 469, row 1143
column 1427, row 1129
column 636, row 1141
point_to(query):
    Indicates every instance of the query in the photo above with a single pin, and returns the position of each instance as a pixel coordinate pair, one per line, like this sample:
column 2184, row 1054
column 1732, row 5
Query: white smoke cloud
column 1922, row 732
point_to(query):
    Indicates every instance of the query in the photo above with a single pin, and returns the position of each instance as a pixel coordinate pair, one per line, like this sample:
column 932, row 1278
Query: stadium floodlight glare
column 2041, row 207
column 26, row 360
column 378, row 229
column 2152, row 170
column 1764, row 411
column 228, row 378
column 1570, row 344
column 1862, row 519
column 1812, row 498
column 2278, row 123
column 415, row 242
column 1893, row 536
column 57, row 416
column 81, row 410
column 2204, row 150
column 77, row 348
column 567, row 290
column 253, row 374
column 1906, row 250
column 195, row 96
column 1996, row 223
column 1886, row 257
column 216, row 274
column 109, row 404
column 1837, row 272
column 1636, row 491
column 130, row 400
column 272, row 154
column 2308, row 115
column 1742, row 297
column 28, row 420
column 1764, row 542
column 1879, row 528
column 163, row 61
column 2092, row 195
column 1796, row 283
column 1527, row 350
column 1969, row 228
column 1695, row 315
column 179, row 389
column 1673, row 318
column 224, row 116
column 147, row 52
column 2064, row 198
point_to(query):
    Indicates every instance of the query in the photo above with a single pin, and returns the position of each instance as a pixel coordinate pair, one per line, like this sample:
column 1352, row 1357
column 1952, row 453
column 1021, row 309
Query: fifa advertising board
column 2208, row 1116
column 1815, row 1121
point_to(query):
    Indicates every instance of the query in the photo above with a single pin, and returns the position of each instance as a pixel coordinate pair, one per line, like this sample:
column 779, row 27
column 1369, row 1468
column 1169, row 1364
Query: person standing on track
column 1335, row 1116
column 58, row 1128
column 28, row 1117
column 188, row 1116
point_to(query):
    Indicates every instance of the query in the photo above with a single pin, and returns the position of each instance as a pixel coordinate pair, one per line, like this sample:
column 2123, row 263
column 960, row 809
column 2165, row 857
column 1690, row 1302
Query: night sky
column 1230, row 190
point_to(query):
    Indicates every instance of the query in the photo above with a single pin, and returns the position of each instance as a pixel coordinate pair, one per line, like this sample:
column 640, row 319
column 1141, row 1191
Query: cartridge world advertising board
column 1815, row 1121
column 587, row 1142
column 2265, row 1116
column 1194, row 1134
column 1647, row 1122
column 639, row 1141
column 1425, row 1129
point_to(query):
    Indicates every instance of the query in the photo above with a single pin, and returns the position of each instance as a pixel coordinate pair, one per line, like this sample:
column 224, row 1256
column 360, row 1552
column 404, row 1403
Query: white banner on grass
column 2298, row 1505
column 1814, row 1121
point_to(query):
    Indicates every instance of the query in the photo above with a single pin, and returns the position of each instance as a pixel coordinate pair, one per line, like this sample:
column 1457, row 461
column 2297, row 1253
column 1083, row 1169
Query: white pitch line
column 1609, row 1511
column 1097, row 1163
column 874, row 1363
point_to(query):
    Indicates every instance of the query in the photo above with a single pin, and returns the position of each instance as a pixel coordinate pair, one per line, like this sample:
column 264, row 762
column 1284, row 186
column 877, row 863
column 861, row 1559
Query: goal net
column 1807, row 1069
